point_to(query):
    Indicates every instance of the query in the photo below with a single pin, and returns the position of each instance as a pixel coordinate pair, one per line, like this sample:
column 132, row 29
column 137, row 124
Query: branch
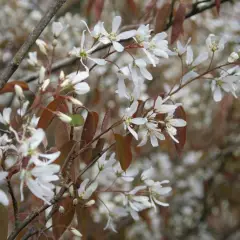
column 32, row 37
column 69, row 61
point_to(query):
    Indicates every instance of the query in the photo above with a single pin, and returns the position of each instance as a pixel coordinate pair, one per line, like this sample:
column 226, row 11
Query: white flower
column 83, row 54
column 57, row 28
column 32, row 58
column 147, row 174
column 97, row 30
column 110, row 224
column 156, row 47
column 139, row 68
column 42, row 72
column 85, row 190
column 5, row 116
column 233, row 57
column 113, row 37
column 180, row 49
column 214, row 43
column 224, row 84
column 38, row 180
column 75, row 79
column 156, row 190
column 160, row 107
column 103, row 164
column 129, row 120
column 42, row 46
column 143, row 34
column 3, row 198
column 153, row 132
column 127, row 176
column 171, row 124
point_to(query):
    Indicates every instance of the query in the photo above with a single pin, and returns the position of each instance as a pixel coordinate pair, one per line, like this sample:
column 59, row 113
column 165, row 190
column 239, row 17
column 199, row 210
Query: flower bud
column 75, row 232
column 65, row 118
column 41, row 74
column 75, row 201
column 61, row 209
column 19, row 92
column 75, row 101
column 42, row 46
column 62, row 76
column 57, row 28
column 233, row 57
column 45, row 84
column 55, row 42
column 90, row 203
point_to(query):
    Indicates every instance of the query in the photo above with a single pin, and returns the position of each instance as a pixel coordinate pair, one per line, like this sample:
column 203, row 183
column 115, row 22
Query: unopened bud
column 62, row 75
column 75, row 201
column 71, row 190
column 42, row 46
column 55, row 42
column 45, row 84
column 65, row 118
column 19, row 92
column 61, row 209
column 75, row 232
column 41, row 74
column 57, row 28
column 90, row 203
column 65, row 83
column 233, row 57
column 75, row 101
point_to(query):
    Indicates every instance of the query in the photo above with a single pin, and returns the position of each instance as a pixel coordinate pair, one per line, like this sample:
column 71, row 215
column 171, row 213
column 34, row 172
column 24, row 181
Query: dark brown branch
column 32, row 37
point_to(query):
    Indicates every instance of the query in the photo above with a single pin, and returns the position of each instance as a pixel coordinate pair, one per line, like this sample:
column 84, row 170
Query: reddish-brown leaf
column 99, row 147
column 106, row 120
column 132, row 6
column 47, row 114
column 123, row 150
column 181, row 131
column 162, row 17
column 88, row 133
column 61, row 221
column 9, row 87
column 61, row 133
column 218, row 3
column 179, row 18
column 99, row 4
column 89, row 128
column 89, row 6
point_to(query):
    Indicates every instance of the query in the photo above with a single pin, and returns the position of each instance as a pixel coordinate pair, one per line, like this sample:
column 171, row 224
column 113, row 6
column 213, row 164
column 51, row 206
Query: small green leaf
column 77, row 120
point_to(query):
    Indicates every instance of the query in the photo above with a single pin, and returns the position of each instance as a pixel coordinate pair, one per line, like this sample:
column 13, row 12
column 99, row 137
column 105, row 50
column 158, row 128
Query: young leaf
column 181, row 131
column 61, row 221
column 123, row 150
column 9, row 87
column 177, row 27
column 77, row 120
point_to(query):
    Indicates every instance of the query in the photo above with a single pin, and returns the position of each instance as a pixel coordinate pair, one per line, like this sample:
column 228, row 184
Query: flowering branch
column 32, row 37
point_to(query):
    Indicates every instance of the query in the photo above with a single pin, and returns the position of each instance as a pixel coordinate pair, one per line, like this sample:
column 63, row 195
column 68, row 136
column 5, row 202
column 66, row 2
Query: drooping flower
column 57, row 28
column 85, row 190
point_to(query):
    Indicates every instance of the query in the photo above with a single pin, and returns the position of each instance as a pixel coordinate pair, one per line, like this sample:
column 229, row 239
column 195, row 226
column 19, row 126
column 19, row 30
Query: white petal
column 160, row 53
column 189, row 75
column 78, row 77
column 122, row 92
column 146, row 73
column 126, row 35
column 81, row 88
column 98, row 61
column 116, row 23
column 37, row 138
column 117, row 46
column 160, row 203
column 57, row 28
column 3, row 198
column 176, row 122
column 133, row 108
column 133, row 132
column 3, row 175
column 217, row 94
column 82, row 40
column 83, row 186
column 154, row 141
column 6, row 114
column 189, row 56
column 201, row 58
column 166, row 108
column 139, row 121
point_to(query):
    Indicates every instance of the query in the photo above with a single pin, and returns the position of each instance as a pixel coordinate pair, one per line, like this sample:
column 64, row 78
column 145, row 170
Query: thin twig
column 32, row 37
